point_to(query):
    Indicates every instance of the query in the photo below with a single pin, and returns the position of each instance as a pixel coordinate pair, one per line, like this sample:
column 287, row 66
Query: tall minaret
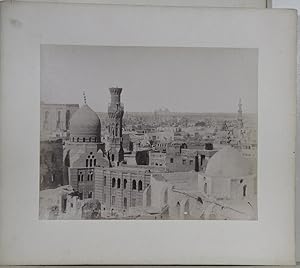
column 240, row 115
column 115, row 114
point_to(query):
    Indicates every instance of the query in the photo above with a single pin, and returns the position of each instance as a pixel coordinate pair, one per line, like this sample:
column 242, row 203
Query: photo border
column 26, row 240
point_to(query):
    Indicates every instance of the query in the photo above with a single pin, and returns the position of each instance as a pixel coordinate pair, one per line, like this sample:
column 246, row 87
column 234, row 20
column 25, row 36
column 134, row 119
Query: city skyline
column 186, row 151
column 75, row 69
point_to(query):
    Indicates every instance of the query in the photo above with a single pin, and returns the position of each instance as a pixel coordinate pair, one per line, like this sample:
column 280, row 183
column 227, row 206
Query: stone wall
column 52, row 170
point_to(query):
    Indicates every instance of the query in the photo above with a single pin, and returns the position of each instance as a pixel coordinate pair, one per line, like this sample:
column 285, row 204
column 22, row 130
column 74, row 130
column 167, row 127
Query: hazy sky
column 181, row 79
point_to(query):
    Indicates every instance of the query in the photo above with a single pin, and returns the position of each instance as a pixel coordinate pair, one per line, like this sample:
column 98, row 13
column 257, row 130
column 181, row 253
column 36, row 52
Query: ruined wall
column 52, row 170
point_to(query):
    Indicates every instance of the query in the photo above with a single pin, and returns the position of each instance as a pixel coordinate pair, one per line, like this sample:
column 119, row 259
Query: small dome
column 228, row 163
column 85, row 123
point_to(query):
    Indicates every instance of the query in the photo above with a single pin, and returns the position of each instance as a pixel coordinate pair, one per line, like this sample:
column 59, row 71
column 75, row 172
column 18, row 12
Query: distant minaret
column 84, row 97
column 115, row 114
column 240, row 115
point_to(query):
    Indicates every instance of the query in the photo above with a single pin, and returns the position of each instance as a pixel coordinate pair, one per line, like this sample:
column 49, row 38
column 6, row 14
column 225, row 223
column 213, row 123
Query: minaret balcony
column 111, row 104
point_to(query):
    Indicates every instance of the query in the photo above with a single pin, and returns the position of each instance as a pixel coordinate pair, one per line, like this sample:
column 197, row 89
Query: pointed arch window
column 125, row 183
column 140, row 185
column 80, row 176
column 134, row 185
column 113, row 183
column 119, row 183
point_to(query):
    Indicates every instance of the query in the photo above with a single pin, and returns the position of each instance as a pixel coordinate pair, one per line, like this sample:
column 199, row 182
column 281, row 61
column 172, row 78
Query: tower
column 240, row 115
column 115, row 115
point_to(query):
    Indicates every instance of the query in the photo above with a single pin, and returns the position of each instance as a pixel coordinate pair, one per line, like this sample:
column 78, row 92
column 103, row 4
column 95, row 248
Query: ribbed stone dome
column 85, row 123
column 228, row 163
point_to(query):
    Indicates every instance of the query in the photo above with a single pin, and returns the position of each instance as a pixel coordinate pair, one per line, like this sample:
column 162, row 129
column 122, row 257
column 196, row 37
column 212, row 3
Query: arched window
column 205, row 187
column 113, row 183
column 95, row 162
column 133, row 185
column 77, row 139
column 244, row 190
column 112, row 157
column 166, row 196
column 88, row 176
column 91, row 162
column 140, row 186
column 87, row 163
column 81, row 177
column 78, row 177
column 83, row 139
column 119, row 183
column 125, row 184
column 90, row 139
column 91, row 176
column 104, row 181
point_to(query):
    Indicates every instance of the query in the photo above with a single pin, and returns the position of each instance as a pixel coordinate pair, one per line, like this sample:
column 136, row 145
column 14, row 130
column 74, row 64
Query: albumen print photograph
column 148, row 133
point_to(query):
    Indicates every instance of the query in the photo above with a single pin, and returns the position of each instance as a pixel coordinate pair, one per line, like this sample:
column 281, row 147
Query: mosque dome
column 229, row 163
column 85, row 123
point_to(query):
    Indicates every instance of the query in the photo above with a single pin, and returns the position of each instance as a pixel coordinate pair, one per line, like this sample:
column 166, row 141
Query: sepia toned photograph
column 148, row 133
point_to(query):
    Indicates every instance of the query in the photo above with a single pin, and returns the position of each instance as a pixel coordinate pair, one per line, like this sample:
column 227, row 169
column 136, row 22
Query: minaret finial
column 240, row 114
column 84, row 97
column 240, row 104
